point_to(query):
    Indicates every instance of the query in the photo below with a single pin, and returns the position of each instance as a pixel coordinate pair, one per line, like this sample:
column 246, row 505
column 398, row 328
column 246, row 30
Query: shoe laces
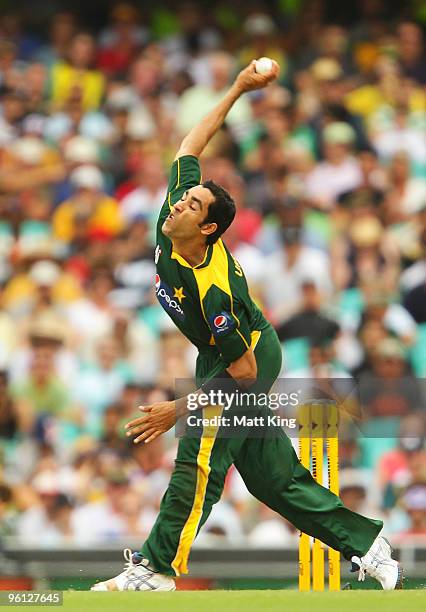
column 372, row 568
column 130, row 563
column 363, row 572
column 359, row 566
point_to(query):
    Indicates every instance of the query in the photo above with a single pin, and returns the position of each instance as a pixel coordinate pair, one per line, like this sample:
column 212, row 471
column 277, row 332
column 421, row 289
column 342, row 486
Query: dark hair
column 221, row 211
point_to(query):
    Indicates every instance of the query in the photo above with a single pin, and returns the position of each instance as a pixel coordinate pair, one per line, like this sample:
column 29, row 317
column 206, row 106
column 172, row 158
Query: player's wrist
column 236, row 90
column 181, row 407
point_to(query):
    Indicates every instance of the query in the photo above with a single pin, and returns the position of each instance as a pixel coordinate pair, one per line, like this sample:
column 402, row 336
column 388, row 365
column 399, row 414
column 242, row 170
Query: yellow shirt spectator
column 76, row 76
column 89, row 210
column 65, row 79
column 104, row 216
column 367, row 99
column 21, row 294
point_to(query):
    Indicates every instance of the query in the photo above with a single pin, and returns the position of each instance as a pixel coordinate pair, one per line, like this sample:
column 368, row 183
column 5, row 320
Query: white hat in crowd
column 259, row 24
column 87, row 177
column 44, row 273
column 339, row 132
column 29, row 149
column 81, row 150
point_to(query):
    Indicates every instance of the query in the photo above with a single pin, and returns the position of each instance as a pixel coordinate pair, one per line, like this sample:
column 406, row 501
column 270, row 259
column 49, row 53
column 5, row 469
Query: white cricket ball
column 263, row 65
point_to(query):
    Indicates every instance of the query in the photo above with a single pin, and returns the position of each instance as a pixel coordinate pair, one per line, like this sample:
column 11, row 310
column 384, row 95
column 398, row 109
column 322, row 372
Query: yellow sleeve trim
column 178, row 173
column 176, row 186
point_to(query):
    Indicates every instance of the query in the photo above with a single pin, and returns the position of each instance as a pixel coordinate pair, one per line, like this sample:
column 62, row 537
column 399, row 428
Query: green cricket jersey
column 210, row 302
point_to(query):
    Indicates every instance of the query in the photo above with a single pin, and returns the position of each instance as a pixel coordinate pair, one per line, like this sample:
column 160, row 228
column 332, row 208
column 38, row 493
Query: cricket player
column 203, row 289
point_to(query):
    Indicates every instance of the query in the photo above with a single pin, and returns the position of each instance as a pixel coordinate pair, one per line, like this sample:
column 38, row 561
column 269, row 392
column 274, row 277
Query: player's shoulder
column 223, row 271
column 222, row 260
column 234, row 266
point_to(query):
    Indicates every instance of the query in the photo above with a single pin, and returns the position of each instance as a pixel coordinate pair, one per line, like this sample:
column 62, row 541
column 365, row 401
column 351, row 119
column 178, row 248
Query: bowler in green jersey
column 204, row 291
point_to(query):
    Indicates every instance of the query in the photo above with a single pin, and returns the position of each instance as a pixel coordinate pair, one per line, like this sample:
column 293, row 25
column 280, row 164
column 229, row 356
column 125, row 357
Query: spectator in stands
column 7, row 514
column 370, row 191
column 356, row 489
column 91, row 316
column 13, row 104
column 309, row 323
column 89, row 207
column 49, row 514
column 388, row 390
column 100, row 383
column 409, row 192
column 260, row 32
column 121, row 40
column 413, row 500
column 405, row 464
column 199, row 99
column 283, row 275
column 61, row 31
column 9, row 63
column 41, row 284
column 415, row 303
column 411, row 51
column 119, row 515
column 112, row 436
column 402, row 135
column 35, row 87
column 150, row 190
column 41, row 398
column 8, row 417
column 339, row 172
column 325, row 101
column 76, row 77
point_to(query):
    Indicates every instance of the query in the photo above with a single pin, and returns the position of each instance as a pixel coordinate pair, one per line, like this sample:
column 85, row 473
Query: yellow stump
column 333, row 485
column 305, row 459
column 318, row 565
column 317, row 421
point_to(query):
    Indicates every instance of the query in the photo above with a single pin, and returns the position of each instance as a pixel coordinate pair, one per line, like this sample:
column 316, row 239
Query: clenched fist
column 248, row 79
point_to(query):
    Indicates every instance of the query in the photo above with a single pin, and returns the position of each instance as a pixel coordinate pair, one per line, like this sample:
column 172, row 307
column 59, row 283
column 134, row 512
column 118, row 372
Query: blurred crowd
column 328, row 171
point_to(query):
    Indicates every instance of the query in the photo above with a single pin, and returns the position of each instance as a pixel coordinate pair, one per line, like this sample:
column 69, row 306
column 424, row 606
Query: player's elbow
column 188, row 148
column 244, row 369
column 251, row 372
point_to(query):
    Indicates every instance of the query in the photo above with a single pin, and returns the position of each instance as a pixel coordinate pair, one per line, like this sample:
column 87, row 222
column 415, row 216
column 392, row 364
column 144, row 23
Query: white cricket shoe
column 378, row 564
column 138, row 576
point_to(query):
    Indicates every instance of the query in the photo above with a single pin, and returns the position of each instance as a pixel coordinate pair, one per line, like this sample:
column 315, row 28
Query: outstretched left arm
column 162, row 416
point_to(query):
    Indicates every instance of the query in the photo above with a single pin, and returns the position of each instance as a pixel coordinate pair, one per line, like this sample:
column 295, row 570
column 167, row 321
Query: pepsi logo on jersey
column 219, row 321
column 222, row 322
column 165, row 297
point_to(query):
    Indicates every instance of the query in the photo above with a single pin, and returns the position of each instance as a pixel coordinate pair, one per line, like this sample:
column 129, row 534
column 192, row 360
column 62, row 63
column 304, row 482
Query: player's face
column 187, row 215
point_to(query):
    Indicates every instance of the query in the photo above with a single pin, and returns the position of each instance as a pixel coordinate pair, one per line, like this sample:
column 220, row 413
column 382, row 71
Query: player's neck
column 192, row 252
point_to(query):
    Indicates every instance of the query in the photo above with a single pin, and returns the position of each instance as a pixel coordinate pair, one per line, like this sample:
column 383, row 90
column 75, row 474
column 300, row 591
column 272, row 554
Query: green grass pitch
column 248, row 601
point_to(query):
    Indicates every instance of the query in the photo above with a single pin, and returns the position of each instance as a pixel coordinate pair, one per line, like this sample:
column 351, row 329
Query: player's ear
column 208, row 228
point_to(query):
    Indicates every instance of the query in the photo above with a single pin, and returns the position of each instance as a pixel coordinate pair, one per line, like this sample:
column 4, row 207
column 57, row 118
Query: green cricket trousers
column 271, row 471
